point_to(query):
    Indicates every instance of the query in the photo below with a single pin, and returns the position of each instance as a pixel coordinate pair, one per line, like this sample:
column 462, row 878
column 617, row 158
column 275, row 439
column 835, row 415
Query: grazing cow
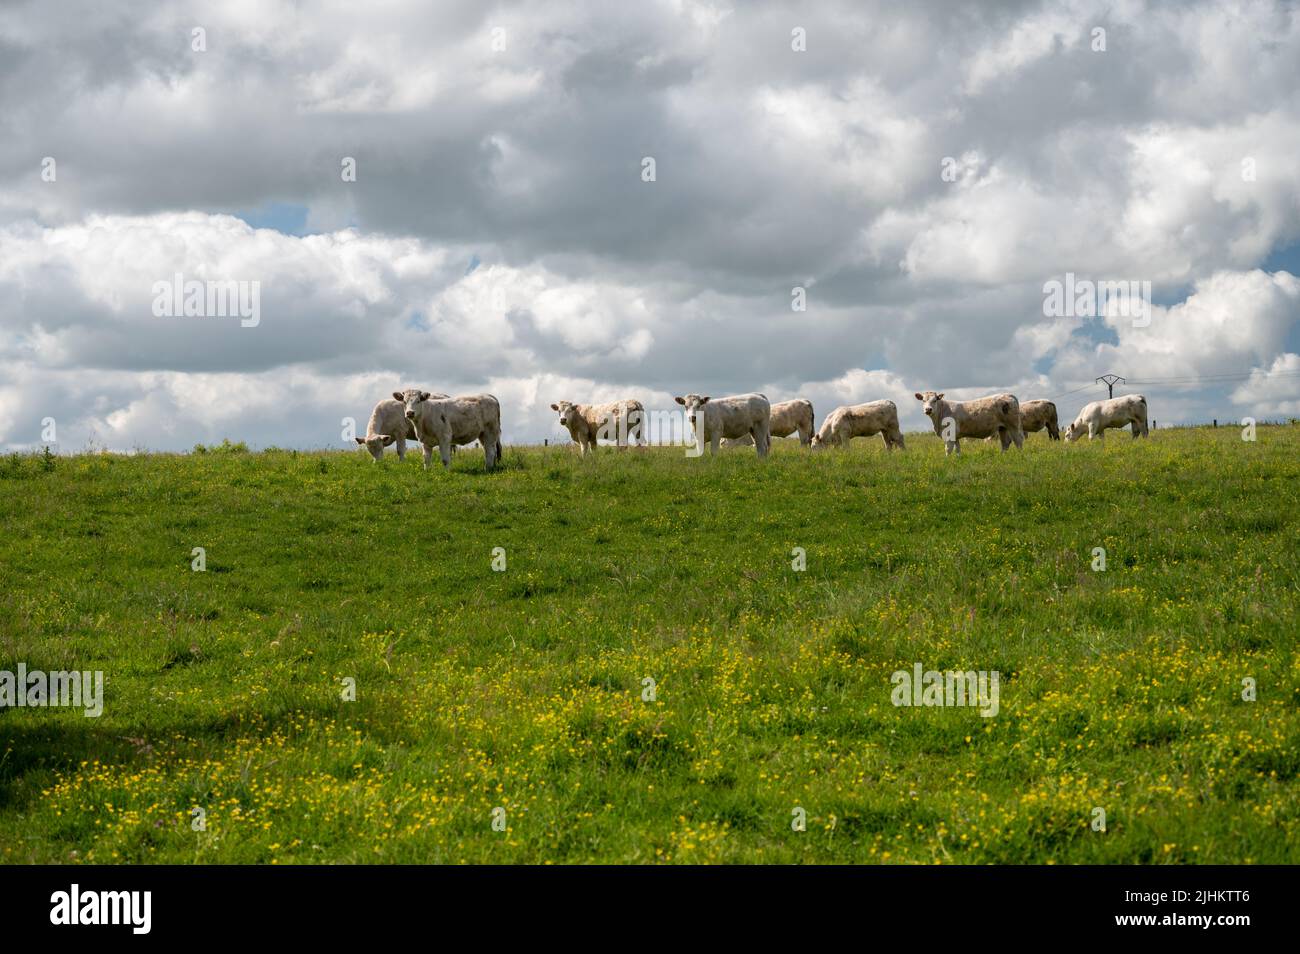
column 997, row 414
column 712, row 419
column 1036, row 415
column 1115, row 412
column 860, row 420
column 388, row 424
column 446, row 422
column 788, row 417
column 615, row 421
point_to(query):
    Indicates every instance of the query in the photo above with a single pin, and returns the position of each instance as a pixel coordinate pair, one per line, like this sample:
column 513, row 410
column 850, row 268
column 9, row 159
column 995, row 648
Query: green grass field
column 523, row 690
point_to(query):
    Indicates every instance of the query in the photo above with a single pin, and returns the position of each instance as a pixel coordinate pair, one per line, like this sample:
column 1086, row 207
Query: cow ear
column 918, row 396
column 939, row 396
column 359, row 440
column 555, row 407
column 705, row 399
column 425, row 395
column 680, row 400
column 398, row 396
column 386, row 438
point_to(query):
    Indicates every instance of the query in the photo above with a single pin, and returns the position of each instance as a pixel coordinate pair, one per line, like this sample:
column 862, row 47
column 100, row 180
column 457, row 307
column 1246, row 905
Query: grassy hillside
column 523, row 689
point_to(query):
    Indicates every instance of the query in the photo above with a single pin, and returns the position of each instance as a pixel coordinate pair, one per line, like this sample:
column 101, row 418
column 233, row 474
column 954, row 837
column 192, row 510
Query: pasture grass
column 523, row 690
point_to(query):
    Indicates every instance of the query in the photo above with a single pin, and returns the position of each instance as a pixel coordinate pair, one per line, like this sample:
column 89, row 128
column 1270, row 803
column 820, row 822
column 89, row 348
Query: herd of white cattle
column 438, row 420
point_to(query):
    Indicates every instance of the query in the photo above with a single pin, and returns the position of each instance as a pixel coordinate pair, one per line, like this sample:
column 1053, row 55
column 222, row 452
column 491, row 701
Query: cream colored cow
column 788, row 417
column 1036, row 415
column 1096, row 417
column 445, row 422
column 997, row 414
column 388, row 425
column 616, row 421
column 860, row 420
column 713, row 419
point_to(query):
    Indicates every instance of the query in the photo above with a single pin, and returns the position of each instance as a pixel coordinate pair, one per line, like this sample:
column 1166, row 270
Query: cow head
column 412, row 398
column 567, row 410
column 1076, row 430
column 930, row 402
column 375, row 443
column 692, row 403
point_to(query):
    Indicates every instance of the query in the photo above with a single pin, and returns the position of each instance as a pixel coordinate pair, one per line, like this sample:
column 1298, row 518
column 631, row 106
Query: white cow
column 616, row 421
column 788, row 417
column 713, row 419
column 388, row 424
column 1114, row 412
column 996, row 414
column 1036, row 415
column 445, row 422
column 860, row 420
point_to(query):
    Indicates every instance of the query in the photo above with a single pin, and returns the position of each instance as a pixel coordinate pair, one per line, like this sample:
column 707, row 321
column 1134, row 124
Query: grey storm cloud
column 513, row 135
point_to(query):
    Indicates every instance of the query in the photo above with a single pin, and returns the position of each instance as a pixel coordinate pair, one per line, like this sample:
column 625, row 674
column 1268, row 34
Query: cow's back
column 470, row 415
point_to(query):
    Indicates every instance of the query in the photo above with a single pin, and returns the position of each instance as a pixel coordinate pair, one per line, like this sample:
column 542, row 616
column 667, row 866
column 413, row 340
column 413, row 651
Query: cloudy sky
column 920, row 169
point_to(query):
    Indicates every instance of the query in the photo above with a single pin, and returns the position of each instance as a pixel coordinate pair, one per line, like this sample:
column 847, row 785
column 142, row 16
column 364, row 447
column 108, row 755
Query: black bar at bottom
column 332, row 904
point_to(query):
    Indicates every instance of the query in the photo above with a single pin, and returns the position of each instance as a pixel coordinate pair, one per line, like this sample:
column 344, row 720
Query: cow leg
column 489, row 449
column 1004, row 437
column 444, row 449
column 428, row 455
column 1135, row 430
